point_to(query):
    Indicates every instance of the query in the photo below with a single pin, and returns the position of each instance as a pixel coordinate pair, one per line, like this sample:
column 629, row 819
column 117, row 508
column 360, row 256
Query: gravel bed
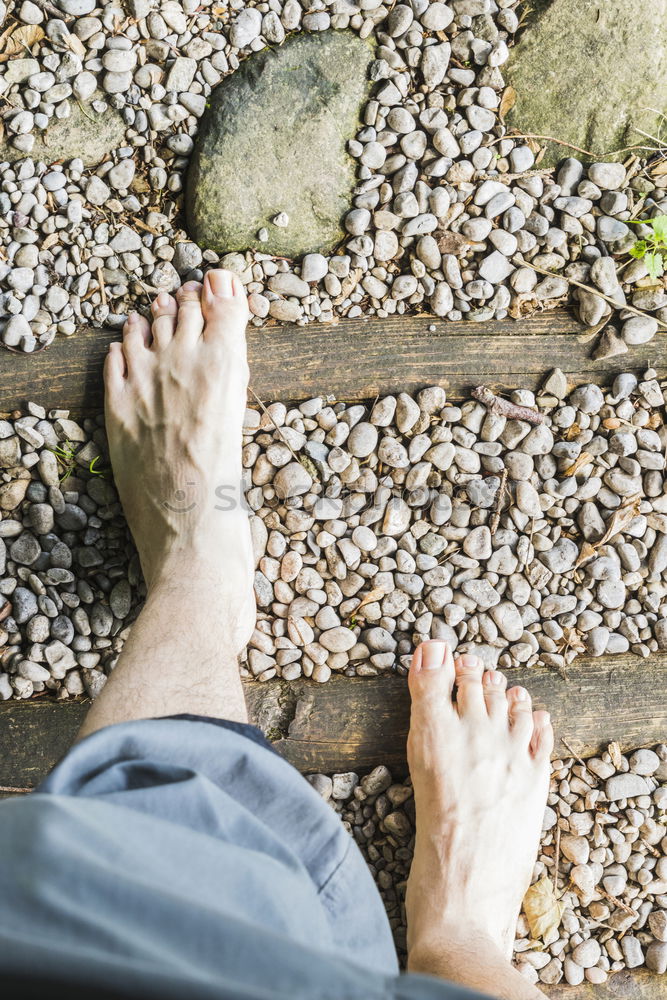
column 532, row 536
column 70, row 579
column 604, row 848
column 448, row 213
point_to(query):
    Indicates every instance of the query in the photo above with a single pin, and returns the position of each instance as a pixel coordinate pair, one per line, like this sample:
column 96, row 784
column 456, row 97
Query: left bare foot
column 175, row 401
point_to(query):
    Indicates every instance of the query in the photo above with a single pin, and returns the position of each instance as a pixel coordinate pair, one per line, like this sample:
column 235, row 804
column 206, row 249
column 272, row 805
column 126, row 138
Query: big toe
column 431, row 679
column 225, row 308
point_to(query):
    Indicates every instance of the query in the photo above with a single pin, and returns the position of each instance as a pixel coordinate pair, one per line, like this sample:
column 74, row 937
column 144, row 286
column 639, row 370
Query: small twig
column 504, row 408
column 617, row 902
column 557, row 858
column 280, row 433
column 650, row 848
column 576, row 756
column 530, row 537
column 515, row 177
column 588, row 288
column 85, row 113
column 143, row 225
column 549, row 138
column 100, row 281
column 54, row 11
column 498, row 503
column 5, row 609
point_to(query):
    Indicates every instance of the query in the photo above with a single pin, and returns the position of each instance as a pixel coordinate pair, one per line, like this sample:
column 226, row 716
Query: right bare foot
column 480, row 770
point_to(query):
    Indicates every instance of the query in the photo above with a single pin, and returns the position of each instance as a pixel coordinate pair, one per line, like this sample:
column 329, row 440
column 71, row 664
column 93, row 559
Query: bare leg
column 480, row 770
column 175, row 400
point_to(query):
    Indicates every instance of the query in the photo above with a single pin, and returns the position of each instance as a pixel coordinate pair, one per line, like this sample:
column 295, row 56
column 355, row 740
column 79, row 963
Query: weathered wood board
column 357, row 723
column 629, row 984
column 355, row 359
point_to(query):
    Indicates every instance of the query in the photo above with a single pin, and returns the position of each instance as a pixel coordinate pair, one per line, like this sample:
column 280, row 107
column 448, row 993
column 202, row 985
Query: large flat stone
column 273, row 140
column 85, row 134
column 586, row 72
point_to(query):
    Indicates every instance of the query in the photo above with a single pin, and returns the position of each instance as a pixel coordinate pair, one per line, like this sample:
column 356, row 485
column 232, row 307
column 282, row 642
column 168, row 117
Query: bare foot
column 175, row 401
column 480, row 769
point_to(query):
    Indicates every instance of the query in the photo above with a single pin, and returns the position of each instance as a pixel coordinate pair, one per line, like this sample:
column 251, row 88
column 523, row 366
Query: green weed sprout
column 653, row 249
column 66, row 456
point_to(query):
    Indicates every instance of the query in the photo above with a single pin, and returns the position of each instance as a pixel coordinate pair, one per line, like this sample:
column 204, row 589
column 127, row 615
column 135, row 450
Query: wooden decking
column 355, row 359
column 355, row 723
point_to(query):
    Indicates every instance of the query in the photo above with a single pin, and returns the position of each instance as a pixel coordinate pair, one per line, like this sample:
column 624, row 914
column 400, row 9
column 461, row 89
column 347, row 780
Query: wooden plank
column 355, row 359
column 350, row 724
column 629, row 984
column 357, row 723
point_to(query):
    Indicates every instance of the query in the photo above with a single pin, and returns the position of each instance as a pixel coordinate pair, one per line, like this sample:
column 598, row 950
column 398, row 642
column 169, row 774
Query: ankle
column 448, row 945
column 472, row 959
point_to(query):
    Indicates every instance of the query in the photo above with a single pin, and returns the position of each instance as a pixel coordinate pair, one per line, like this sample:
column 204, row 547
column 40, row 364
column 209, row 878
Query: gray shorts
column 184, row 854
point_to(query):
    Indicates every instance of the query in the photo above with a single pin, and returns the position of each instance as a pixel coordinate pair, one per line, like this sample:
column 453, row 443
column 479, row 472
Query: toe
column 225, row 308
column 494, row 684
column 115, row 369
column 431, row 680
column 165, row 311
column 520, row 710
column 136, row 340
column 431, row 677
column 190, row 323
column 542, row 740
column 469, row 691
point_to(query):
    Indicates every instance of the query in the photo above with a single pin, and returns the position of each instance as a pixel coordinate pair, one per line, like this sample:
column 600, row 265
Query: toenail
column 220, row 282
column 520, row 694
column 495, row 677
column 162, row 300
column 190, row 286
column 470, row 660
column 133, row 318
column 433, row 654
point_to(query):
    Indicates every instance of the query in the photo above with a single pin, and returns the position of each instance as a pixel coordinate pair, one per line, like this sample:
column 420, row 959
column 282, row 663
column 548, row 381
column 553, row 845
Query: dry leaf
column 350, row 283
column 449, row 242
column 373, row 595
column 75, row 45
column 507, row 102
column 574, row 640
column 622, row 517
column 20, row 38
column 618, row 522
column 523, row 304
column 660, row 169
column 586, row 552
column 583, row 459
column 614, row 751
column 50, row 241
column 543, row 910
